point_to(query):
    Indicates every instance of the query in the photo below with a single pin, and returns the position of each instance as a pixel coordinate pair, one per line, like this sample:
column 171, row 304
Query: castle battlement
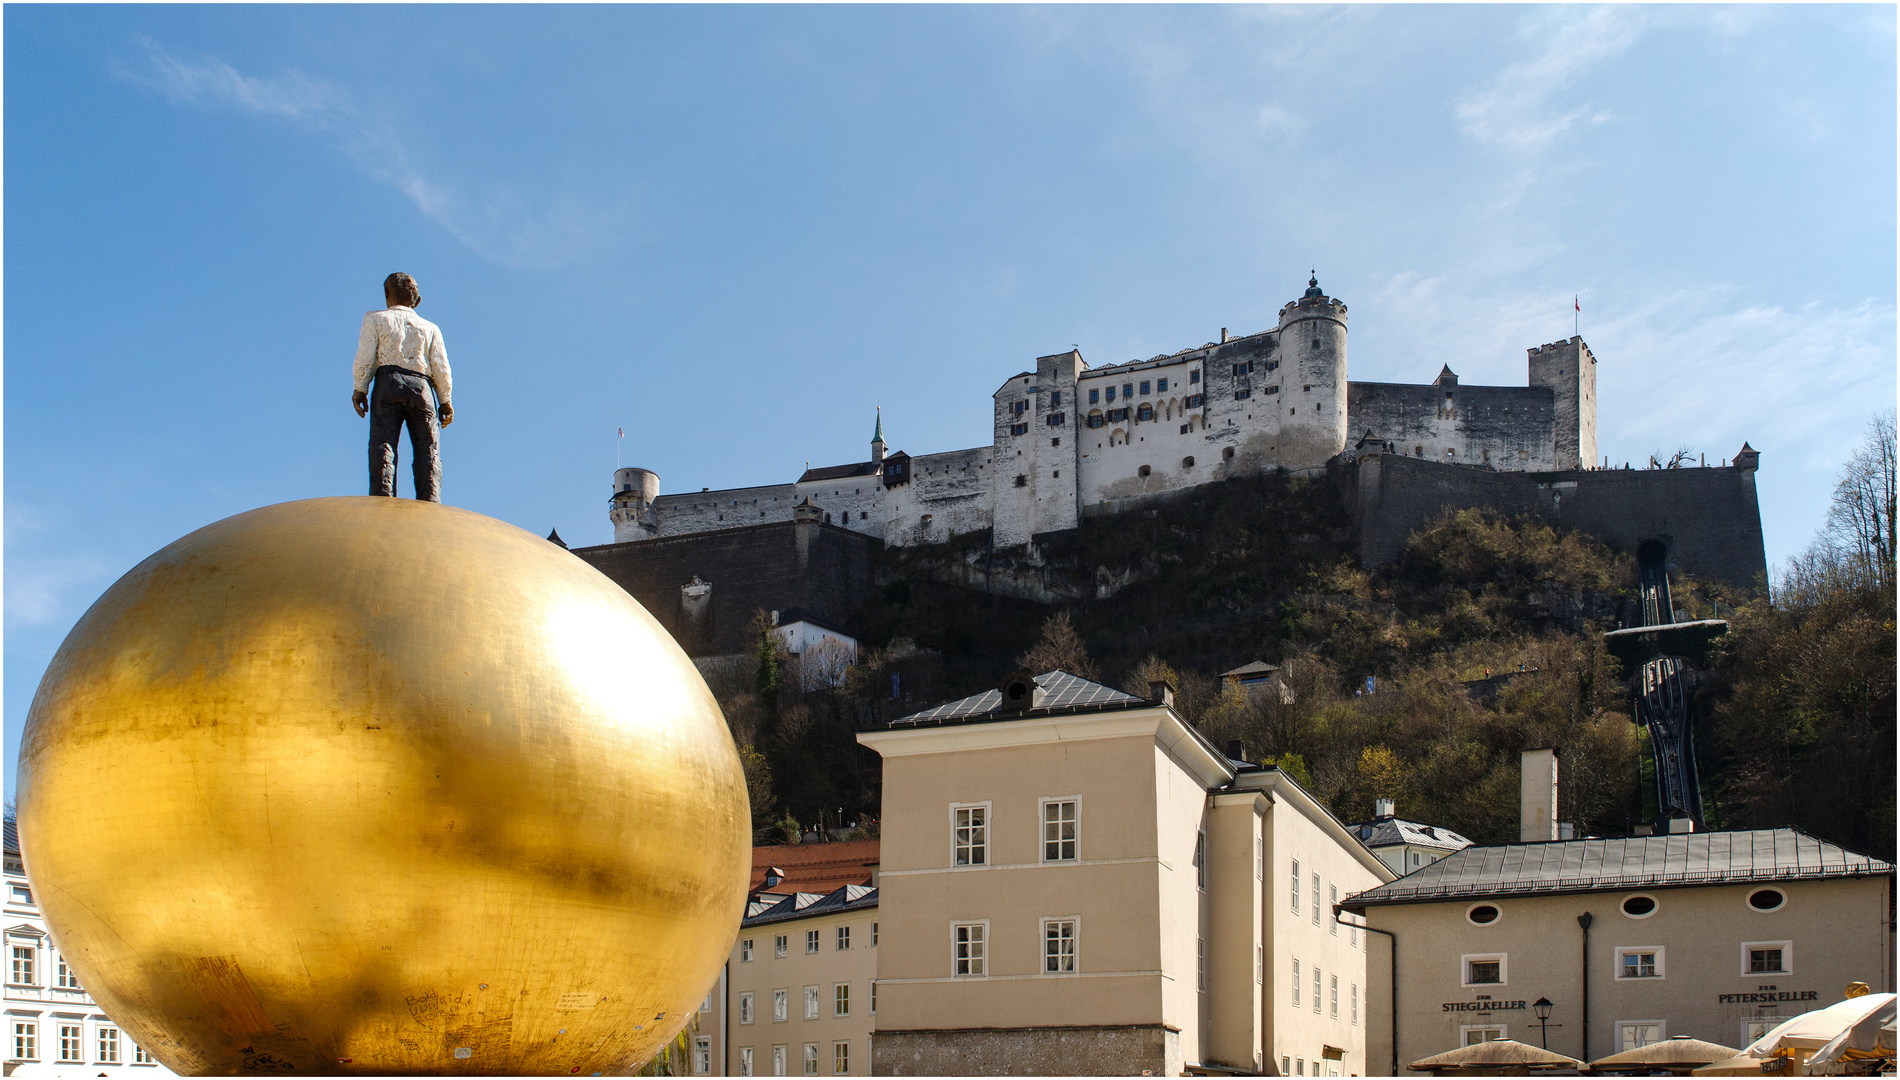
column 1070, row 439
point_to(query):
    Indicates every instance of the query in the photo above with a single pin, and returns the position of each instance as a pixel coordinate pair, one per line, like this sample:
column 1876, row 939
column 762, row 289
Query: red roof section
column 815, row 868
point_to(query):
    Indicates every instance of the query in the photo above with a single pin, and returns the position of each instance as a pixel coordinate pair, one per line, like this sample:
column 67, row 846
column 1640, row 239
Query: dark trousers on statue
column 403, row 398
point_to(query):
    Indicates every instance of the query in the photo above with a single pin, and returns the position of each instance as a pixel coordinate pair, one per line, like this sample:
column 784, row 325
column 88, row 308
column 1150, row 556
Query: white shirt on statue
column 398, row 337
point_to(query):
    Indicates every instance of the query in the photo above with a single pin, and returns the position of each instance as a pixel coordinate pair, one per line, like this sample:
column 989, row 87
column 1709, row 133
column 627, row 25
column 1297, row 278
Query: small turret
column 634, row 492
column 1310, row 408
column 877, row 440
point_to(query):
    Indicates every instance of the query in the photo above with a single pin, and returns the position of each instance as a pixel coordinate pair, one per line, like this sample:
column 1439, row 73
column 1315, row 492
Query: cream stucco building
column 800, row 996
column 1715, row 935
column 1074, row 881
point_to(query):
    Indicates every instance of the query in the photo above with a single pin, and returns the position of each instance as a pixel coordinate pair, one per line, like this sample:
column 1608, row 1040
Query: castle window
column 1143, row 471
column 862, row 515
column 1242, row 395
column 1095, row 396
column 1021, row 480
column 1227, row 454
column 1146, row 412
column 1194, row 402
column 1306, row 389
column 1243, row 369
column 1111, row 393
column 1184, row 429
column 1055, row 399
column 1058, row 474
column 1273, row 365
column 1019, row 429
column 1055, row 442
column 1316, row 343
column 1194, row 376
column 1017, row 407
column 1095, row 419
column 1187, row 462
column 1128, row 390
column 1057, row 419
column 1273, row 389
column 1161, row 386
column 1144, row 388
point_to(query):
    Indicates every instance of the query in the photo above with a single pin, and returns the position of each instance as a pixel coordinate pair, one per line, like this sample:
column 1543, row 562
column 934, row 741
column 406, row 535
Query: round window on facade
column 1482, row 914
column 1639, row 906
column 1766, row 899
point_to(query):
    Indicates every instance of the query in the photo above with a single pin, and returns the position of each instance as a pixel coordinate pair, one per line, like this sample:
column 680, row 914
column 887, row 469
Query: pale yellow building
column 1074, row 881
column 1630, row 940
column 800, row 998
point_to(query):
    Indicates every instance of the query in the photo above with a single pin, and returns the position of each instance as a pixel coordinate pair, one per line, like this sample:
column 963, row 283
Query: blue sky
column 734, row 231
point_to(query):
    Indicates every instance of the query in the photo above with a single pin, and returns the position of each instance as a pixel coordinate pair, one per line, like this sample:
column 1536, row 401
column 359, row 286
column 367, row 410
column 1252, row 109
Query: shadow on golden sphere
column 382, row 786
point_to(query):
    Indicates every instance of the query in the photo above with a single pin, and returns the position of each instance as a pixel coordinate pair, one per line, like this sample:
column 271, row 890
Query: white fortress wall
column 1143, row 429
column 855, row 502
column 1507, row 428
column 701, row 511
column 945, row 495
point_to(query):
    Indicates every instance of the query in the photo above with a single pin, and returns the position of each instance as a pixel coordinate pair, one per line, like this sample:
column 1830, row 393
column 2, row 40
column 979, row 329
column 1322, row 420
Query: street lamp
column 1542, row 1007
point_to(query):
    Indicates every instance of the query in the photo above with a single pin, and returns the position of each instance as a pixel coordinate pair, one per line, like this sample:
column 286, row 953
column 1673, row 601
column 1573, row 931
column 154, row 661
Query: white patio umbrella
column 1869, row 1037
column 1814, row 1030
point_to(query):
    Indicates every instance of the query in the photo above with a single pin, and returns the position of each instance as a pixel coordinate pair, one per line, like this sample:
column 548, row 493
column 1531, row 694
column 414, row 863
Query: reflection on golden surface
column 381, row 786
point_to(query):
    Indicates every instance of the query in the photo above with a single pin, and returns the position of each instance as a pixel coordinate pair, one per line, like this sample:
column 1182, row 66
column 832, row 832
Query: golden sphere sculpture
column 371, row 785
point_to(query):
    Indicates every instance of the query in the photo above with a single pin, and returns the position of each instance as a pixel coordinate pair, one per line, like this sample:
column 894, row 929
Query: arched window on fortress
column 1146, row 412
column 1095, row 418
column 1118, row 437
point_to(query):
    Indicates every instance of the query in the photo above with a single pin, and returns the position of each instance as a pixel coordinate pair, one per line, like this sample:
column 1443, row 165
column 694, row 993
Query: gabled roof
column 1574, row 866
column 817, row 868
column 808, row 905
column 791, row 615
column 839, row 472
column 1258, row 667
column 1061, row 690
column 1389, row 832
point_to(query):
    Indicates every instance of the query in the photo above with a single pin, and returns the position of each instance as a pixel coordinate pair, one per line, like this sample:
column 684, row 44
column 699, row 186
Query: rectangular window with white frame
column 1355, row 1003
column 745, row 1061
column 780, row 999
column 26, row 1040
column 811, row 942
column 1332, row 897
column 1316, row 989
column 1200, row 964
column 778, row 1060
column 702, row 1055
column 72, row 1042
column 745, row 1007
column 1473, row 1034
column 1639, row 962
column 1259, row 859
column 108, row 1045
column 1767, row 958
column 1296, row 980
column 811, row 1003
column 873, row 997
column 969, row 948
column 706, row 1005
column 140, row 1056
column 841, row 999
column 1631, row 1034
column 25, row 970
column 1754, row 1027
column 1296, row 886
column 873, row 935
column 841, row 1059
column 1058, row 946
column 1484, row 969
column 779, row 947
column 1060, row 839
column 1333, row 989
column 745, row 951
column 1315, row 899
column 64, row 977
column 811, row 1059
column 1259, row 964
column 843, row 938
column 970, row 835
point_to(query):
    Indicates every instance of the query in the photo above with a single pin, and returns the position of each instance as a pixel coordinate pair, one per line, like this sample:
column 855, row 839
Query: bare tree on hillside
column 1860, row 523
column 1060, row 649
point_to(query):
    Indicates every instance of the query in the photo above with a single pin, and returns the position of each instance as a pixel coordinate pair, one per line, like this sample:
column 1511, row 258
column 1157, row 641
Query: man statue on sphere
column 403, row 352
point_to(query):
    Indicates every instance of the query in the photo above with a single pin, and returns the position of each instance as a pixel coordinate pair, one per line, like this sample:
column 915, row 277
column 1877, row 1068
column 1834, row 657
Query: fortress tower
column 1312, row 405
column 634, row 492
column 1569, row 369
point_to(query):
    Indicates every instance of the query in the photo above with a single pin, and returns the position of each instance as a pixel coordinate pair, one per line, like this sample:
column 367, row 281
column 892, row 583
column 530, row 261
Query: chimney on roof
column 1236, row 750
column 1538, row 813
column 1020, row 692
column 1383, row 808
column 1223, row 335
column 1161, row 693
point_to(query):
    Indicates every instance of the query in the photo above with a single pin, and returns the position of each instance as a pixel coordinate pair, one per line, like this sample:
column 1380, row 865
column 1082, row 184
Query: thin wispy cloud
column 511, row 225
column 1526, row 105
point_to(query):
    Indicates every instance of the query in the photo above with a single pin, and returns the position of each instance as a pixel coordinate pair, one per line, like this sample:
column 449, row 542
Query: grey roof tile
column 1709, row 858
column 1385, row 832
column 1061, row 690
column 806, row 905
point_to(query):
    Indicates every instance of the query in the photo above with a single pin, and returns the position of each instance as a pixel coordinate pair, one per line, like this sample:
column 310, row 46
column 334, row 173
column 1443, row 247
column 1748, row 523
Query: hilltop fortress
column 1071, row 441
